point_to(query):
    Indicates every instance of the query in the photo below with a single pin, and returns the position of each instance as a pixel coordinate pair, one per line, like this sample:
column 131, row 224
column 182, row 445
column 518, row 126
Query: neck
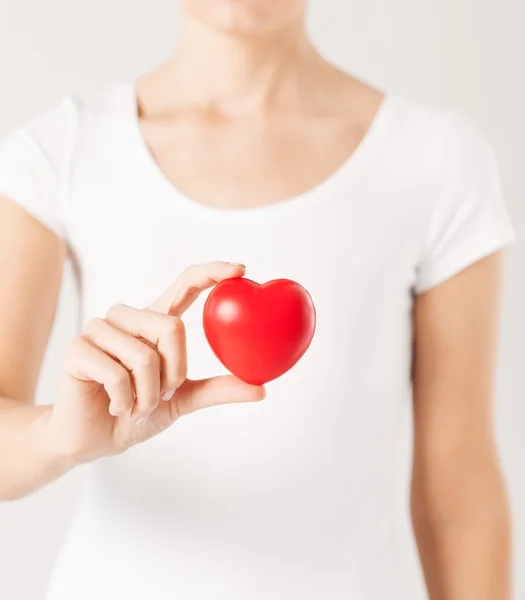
column 235, row 73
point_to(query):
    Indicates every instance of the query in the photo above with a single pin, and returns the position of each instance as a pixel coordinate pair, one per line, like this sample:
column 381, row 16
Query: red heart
column 259, row 332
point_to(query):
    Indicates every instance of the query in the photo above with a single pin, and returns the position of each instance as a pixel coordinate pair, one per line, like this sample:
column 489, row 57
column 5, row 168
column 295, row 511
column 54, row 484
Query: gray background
column 463, row 53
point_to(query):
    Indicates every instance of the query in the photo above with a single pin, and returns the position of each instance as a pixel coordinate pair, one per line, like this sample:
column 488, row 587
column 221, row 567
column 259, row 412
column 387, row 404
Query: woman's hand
column 125, row 378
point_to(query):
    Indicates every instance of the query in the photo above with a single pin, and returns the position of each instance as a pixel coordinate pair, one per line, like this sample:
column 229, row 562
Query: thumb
column 203, row 393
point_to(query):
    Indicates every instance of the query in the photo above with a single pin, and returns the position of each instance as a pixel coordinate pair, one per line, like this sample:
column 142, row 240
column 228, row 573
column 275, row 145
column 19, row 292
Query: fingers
column 140, row 360
column 165, row 332
column 194, row 280
column 226, row 389
column 102, row 364
column 139, row 356
column 88, row 363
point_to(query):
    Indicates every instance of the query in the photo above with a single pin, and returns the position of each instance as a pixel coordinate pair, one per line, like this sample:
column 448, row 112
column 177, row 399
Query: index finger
column 183, row 292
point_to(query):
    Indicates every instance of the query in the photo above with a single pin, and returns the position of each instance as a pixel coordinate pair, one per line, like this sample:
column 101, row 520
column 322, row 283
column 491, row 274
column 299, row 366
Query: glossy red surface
column 259, row 332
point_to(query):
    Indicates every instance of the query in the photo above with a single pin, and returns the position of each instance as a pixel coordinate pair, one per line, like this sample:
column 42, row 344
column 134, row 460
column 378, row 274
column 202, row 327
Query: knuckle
column 192, row 290
column 192, row 275
column 115, row 309
column 147, row 359
column 94, row 325
column 192, row 269
column 174, row 327
column 75, row 345
column 74, row 351
column 119, row 379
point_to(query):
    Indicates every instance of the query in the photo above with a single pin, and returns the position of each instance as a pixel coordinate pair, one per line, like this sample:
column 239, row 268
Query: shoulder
column 56, row 129
column 436, row 148
column 467, row 216
column 438, row 133
column 36, row 158
column 70, row 110
column 106, row 103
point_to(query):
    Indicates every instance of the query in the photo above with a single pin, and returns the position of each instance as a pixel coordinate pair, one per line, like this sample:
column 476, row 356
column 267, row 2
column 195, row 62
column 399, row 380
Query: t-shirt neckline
column 338, row 178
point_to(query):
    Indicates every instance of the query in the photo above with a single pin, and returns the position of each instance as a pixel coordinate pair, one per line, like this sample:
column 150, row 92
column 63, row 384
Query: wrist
column 58, row 456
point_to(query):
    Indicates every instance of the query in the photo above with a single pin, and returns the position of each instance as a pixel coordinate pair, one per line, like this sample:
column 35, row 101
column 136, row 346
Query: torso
column 295, row 497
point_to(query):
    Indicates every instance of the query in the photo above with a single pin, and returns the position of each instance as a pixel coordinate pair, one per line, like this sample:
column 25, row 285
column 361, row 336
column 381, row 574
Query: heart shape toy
column 259, row 332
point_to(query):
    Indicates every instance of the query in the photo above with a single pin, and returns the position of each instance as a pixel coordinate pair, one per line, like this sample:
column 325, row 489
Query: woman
column 247, row 146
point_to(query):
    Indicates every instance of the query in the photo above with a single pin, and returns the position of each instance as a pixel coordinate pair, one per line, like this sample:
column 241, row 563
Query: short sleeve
column 470, row 217
column 34, row 160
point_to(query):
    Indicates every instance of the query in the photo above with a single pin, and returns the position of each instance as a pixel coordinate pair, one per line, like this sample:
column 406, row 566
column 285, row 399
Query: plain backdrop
column 469, row 54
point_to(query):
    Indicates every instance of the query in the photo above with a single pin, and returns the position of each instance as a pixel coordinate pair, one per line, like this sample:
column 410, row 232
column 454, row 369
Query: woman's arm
column 459, row 501
column 31, row 263
column 124, row 378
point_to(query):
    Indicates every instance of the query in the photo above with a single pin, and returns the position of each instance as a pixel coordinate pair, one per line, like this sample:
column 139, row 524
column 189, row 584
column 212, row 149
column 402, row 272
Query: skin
column 459, row 500
column 246, row 78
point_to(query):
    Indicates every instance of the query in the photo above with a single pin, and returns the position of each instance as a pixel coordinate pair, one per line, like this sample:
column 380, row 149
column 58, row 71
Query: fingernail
column 237, row 265
column 168, row 395
column 141, row 421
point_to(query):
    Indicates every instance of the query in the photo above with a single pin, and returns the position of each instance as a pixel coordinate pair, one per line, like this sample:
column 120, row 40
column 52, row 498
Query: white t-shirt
column 296, row 497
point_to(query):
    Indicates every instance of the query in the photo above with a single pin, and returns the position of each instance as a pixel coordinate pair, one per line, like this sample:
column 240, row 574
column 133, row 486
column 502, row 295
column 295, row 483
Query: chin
column 245, row 17
column 239, row 20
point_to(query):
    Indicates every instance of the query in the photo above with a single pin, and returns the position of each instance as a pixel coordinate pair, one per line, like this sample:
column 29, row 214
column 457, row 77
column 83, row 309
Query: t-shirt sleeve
column 34, row 160
column 470, row 218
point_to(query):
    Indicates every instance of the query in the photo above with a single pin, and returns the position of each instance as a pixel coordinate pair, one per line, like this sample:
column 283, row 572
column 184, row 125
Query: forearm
column 27, row 458
column 466, row 554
